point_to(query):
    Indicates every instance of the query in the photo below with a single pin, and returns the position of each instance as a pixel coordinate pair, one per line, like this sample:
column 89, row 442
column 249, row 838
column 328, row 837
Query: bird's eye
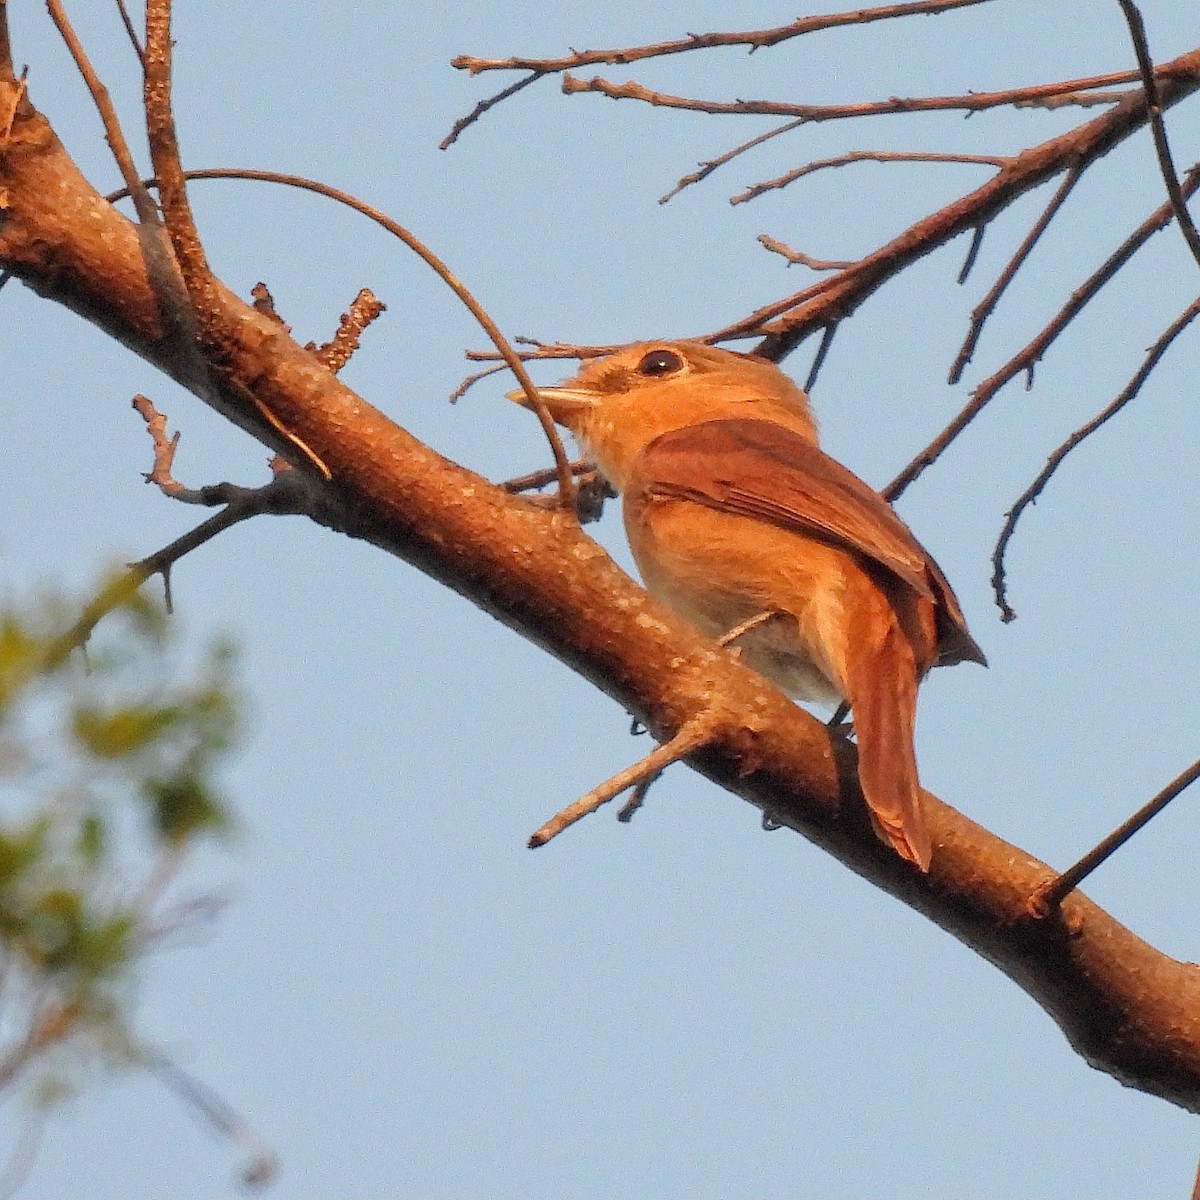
column 658, row 363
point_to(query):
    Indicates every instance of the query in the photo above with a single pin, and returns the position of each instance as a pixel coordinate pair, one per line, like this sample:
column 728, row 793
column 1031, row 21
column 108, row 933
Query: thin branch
column 819, row 358
column 113, row 134
column 505, row 350
column 1137, row 31
column 288, row 494
column 164, row 447
column 707, row 168
column 987, row 305
column 972, row 253
column 209, row 496
column 263, row 1163
column 637, row 798
column 1035, row 489
column 131, row 32
column 548, row 350
column 811, row 113
column 540, row 479
column 798, row 256
column 755, row 39
column 853, row 156
column 1026, row 358
column 466, row 384
column 285, row 495
column 1050, row 895
column 691, row 736
column 464, row 122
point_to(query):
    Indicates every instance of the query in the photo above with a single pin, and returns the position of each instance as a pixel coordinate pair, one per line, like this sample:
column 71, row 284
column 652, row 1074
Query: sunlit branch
column 754, row 39
column 854, row 156
column 812, row 113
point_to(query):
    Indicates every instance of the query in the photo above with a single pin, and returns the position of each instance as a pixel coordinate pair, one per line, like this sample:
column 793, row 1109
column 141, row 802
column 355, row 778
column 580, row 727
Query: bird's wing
column 768, row 472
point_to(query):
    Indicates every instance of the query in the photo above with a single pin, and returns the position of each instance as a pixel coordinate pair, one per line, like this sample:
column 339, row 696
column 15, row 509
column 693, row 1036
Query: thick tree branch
column 1129, row 1009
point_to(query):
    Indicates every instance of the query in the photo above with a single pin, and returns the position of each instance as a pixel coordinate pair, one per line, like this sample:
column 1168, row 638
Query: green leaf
column 182, row 807
column 119, row 732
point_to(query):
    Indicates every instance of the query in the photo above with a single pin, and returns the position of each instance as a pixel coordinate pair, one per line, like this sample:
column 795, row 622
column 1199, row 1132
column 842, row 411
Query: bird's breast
column 719, row 569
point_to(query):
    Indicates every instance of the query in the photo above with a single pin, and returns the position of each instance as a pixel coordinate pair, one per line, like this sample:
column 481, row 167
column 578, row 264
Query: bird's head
column 618, row 404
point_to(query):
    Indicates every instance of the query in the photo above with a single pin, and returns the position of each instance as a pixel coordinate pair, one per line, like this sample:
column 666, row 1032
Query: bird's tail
column 882, row 687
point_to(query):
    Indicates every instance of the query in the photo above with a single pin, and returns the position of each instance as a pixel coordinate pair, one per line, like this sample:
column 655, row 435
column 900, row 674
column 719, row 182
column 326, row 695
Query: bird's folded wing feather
column 766, row 471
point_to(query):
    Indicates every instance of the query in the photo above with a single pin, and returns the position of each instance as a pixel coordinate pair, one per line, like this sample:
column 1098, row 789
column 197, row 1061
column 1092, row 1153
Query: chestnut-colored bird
column 732, row 512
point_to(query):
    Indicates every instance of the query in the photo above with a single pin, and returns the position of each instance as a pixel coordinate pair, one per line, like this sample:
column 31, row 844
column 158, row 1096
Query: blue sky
column 402, row 998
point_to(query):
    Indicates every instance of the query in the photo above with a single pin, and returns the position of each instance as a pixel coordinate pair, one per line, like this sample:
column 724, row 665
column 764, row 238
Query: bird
column 741, row 524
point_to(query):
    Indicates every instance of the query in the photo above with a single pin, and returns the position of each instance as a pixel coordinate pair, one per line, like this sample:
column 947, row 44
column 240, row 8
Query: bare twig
column 466, row 384
column 127, row 21
column 637, row 798
column 1137, row 31
column 691, row 736
column 287, row 494
column 853, row 156
column 113, row 134
column 504, row 349
column 969, row 102
column 364, row 309
column 482, row 107
column 1050, row 895
column 755, row 39
column 263, row 1162
column 209, row 496
column 972, row 253
column 540, row 479
column 799, row 257
column 1025, row 359
column 707, row 168
column 548, row 350
column 1035, row 489
column 819, row 358
column 202, row 305
column 164, row 448
column 987, row 305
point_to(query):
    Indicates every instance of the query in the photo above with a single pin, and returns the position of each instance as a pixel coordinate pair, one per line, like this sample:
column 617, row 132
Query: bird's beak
column 562, row 403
